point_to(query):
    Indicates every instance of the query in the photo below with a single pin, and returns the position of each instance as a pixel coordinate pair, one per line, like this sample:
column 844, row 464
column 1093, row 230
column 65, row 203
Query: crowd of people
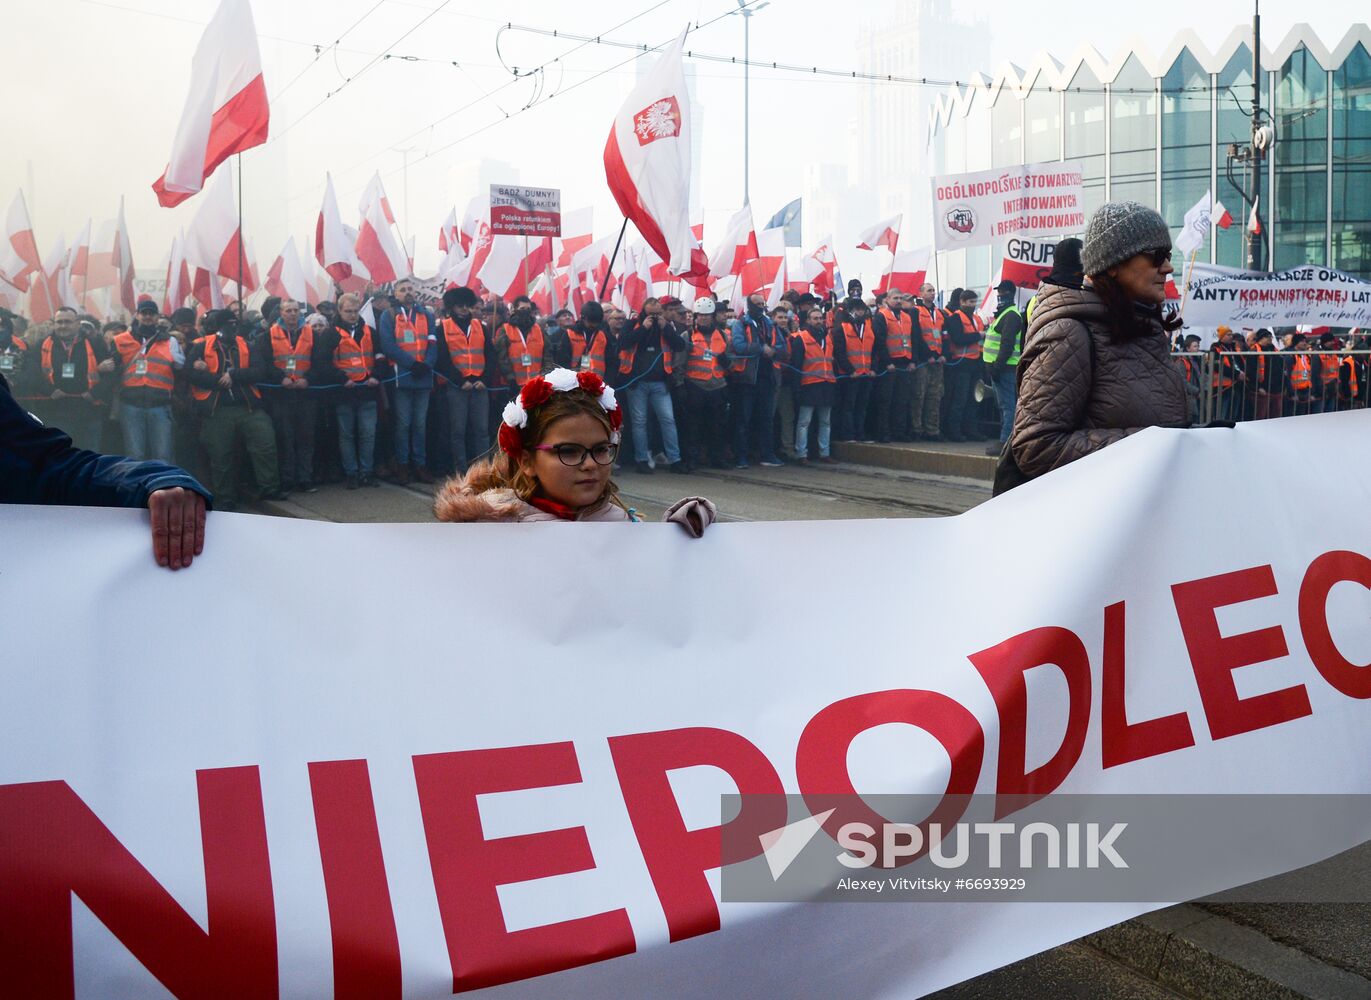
column 386, row 386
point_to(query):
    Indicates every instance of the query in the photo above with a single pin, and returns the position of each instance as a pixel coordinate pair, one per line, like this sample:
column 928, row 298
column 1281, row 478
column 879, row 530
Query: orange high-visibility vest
column 411, row 337
column 899, row 335
column 212, row 364
column 1329, row 363
column 592, row 358
column 931, row 326
column 1299, row 374
column 147, row 365
column 525, row 353
column 292, row 359
column 45, row 360
column 1352, row 383
column 859, row 346
column 1222, row 378
column 1261, row 364
column 466, row 348
column 626, row 359
column 969, row 352
column 353, row 357
column 706, row 350
column 818, row 359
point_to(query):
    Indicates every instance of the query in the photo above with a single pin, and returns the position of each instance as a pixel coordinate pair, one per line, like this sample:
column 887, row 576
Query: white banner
column 381, row 760
column 1036, row 199
column 1302, row 296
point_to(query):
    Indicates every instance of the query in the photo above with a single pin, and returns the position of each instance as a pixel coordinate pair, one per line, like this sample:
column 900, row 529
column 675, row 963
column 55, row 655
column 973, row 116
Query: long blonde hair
column 500, row 470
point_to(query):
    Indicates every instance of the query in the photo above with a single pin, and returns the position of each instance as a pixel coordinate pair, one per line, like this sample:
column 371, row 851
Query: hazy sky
column 95, row 89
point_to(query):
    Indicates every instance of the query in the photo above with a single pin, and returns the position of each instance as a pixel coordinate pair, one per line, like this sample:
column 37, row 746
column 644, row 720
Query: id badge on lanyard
column 6, row 362
column 585, row 361
column 69, row 369
column 290, row 365
column 708, row 356
column 140, row 367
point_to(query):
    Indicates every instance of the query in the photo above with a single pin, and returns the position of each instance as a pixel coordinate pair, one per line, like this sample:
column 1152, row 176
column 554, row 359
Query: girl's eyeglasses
column 574, row 454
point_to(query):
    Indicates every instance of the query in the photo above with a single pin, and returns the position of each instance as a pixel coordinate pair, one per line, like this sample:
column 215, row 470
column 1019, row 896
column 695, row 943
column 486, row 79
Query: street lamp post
column 747, row 9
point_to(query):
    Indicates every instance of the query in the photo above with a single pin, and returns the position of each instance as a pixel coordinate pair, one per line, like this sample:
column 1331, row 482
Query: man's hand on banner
column 178, row 526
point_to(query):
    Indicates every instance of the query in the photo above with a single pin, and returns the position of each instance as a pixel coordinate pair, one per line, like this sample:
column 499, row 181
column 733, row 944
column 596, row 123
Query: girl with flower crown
column 558, row 441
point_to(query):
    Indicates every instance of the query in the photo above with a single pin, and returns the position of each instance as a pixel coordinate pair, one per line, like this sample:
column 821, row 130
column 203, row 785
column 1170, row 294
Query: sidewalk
column 938, row 458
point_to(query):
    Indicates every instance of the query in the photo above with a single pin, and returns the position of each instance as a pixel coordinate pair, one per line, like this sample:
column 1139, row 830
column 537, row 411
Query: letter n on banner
column 52, row 845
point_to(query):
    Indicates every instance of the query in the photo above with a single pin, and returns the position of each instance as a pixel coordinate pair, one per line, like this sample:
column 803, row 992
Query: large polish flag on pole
column 226, row 104
column 19, row 255
column 214, row 241
column 286, row 278
column 738, row 246
column 882, row 234
column 647, row 163
column 377, row 245
column 333, row 246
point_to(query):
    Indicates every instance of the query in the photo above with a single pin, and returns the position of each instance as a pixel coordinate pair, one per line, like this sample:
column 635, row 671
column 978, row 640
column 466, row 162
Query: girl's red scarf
column 558, row 510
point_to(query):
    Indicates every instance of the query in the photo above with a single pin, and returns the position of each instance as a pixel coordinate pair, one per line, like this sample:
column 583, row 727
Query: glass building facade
column 1156, row 129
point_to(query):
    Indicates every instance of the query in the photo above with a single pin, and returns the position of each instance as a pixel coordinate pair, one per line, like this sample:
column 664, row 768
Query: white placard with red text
column 1034, row 199
column 387, row 760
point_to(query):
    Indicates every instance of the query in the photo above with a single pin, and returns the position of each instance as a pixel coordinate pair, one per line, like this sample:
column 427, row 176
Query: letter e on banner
column 677, row 858
column 1214, row 656
column 1327, row 570
column 1003, row 668
column 468, row 868
column 54, row 846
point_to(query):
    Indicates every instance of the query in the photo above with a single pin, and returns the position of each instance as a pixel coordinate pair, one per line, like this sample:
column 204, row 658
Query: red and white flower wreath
column 538, row 391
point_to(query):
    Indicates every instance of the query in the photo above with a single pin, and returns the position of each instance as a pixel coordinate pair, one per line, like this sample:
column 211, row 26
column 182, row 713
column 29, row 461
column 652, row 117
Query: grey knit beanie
column 1119, row 230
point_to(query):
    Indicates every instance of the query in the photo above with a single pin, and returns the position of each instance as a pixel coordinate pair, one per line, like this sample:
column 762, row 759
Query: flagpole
column 242, row 305
column 1189, row 270
column 85, row 278
column 612, row 258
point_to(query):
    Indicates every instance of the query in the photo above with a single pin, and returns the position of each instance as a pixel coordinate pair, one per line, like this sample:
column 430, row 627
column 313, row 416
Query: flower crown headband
column 539, row 390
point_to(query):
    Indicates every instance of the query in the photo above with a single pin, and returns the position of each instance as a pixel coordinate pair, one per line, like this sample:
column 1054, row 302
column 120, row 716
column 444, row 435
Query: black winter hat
column 1066, row 263
column 593, row 312
column 183, row 315
column 459, row 297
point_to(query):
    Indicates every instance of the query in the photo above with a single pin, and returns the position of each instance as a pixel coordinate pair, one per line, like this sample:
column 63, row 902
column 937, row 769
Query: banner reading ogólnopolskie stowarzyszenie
column 990, row 206
column 504, row 764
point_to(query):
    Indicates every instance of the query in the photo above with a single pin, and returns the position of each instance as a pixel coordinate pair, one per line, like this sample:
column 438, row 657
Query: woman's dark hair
column 1127, row 319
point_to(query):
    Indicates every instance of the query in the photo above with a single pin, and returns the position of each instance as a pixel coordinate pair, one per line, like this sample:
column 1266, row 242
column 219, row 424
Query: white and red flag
column 333, row 246
column 378, row 247
column 1222, row 217
column 908, row 271
column 502, row 269
column 647, row 162
column 214, row 241
column 638, row 280
column 19, row 255
column 123, row 260
column 477, row 215
column 78, row 255
column 178, row 276
column 882, row 234
column 778, row 281
column 738, row 246
column 820, row 265
column 285, row 277
column 1254, row 221
column 226, row 104
column 577, row 234
column 447, row 235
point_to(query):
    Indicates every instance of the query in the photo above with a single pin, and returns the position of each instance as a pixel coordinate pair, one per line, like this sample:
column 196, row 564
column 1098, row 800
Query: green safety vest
column 1028, row 312
column 992, row 338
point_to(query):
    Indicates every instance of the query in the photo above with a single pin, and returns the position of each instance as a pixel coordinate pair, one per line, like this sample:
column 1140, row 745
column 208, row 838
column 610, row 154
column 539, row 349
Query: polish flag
column 78, row 257
column 447, row 235
column 539, row 255
column 576, row 235
column 452, row 264
column 638, row 282
column 123, row 260
column 908, row 271
column 820, row 265
column 882, row 234
column 1254, row 222
column 541, row 294
column 738, row 246
column 226, row 104
column 647, row 162
column 377, row 246
column 502, row 270
column 19, row 255
column 1221, row 216
column 178, row 277
column 477, row 214
column 757, row 274
column 561, row 287
column 333, row 246
column 206, row 289
column 43, row 292
column 285, row 277
column 376, row 192
column 101, row 271
column 778, row 281
column 214, row 241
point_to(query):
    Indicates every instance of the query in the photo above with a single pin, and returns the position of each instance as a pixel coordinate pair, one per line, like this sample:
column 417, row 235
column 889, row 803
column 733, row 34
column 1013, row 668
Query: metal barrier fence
column 1259, row 385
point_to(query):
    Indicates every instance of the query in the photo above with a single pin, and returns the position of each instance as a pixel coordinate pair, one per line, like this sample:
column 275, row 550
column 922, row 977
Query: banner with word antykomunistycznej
column 1036, row 199
column 381, row 760
column 1301, row 296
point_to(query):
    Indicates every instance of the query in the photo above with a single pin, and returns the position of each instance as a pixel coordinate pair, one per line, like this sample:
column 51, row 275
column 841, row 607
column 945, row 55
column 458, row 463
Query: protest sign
column 1311, row 295
column 1036, row 199
column 525, row 211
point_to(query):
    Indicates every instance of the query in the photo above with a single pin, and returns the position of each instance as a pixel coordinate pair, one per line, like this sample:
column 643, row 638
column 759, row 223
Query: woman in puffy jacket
column 1096, row 365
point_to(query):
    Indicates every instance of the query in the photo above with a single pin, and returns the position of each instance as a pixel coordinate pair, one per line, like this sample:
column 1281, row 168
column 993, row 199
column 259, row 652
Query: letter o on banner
column 1323, row 574
column 821, row 757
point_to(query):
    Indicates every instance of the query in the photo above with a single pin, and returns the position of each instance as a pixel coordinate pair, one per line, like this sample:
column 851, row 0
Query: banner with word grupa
column 363, row 760
column 1036, row 199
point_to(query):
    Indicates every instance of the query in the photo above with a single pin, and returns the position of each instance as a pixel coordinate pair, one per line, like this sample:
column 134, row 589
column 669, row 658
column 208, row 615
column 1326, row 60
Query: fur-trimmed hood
column 460, row 500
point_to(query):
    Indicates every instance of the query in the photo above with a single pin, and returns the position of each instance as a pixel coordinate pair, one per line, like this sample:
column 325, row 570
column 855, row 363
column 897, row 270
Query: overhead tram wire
column 375, row 59
column 515, row 77
column 320, row 53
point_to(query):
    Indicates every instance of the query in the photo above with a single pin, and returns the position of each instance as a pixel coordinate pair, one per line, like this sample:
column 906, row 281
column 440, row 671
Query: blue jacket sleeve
column 388, row 346
column 742, row 347
column 39, row 465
